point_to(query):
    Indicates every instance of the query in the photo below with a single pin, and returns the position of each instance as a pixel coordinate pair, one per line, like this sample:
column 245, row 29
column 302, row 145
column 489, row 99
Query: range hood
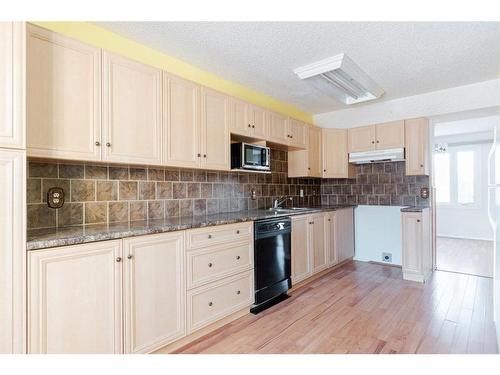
column 378, row 156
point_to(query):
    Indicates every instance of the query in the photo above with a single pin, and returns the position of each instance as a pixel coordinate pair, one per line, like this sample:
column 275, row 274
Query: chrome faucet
column 279, row 201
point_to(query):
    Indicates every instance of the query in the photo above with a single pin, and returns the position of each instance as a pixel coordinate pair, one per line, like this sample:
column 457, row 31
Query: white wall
column 377, row 230
column 458, row 99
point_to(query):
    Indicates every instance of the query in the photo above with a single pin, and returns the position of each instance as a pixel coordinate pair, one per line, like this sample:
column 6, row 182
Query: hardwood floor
column 367, row 308
column 474, row 257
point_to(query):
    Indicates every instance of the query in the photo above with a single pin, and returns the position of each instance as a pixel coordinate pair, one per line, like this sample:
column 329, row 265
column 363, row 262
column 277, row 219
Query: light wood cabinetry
column 417, row 249
column 154, row 302
column 278, row 128
column 331, row 238
column 298, row 134
column 63, row 113
column 248, row 120
column 307, row 163
column 215, row 137
column 377, row 137
column 319, row 243
column 301, row 254
column 12, row 250
column 335, row 157
column 12, row 56
column 344, row 233
column 417, row 147
column 257, row 117
column 131, row 111
column 75, row 299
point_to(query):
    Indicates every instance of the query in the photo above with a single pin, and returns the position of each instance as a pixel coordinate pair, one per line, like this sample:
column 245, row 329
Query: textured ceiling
column 403, row 58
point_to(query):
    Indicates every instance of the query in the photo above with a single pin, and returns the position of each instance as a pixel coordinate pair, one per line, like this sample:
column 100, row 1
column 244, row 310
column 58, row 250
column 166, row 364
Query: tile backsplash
column 376, row 184
column 116, row 193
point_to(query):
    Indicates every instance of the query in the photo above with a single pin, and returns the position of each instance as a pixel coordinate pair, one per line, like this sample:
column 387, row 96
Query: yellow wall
column 100, row 37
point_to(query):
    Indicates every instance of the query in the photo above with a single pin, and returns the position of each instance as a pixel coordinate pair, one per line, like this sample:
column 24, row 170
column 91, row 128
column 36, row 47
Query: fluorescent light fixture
column 340, row 77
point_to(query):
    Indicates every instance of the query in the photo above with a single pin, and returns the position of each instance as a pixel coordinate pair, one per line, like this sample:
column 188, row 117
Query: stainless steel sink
column 288, row 210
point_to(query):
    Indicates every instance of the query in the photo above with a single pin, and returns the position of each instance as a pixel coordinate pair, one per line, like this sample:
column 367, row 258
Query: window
column 457, row 175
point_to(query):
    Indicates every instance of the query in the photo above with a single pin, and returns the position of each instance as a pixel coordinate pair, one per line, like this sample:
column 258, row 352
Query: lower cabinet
column 319, row 242
column 75, row 299
column 301, row 254
column 417, row 249
column 344, row 233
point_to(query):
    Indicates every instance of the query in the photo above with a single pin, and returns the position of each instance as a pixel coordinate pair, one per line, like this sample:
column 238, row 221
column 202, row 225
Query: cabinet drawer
column 215, row 301
column 204, row 237
column 210, row 264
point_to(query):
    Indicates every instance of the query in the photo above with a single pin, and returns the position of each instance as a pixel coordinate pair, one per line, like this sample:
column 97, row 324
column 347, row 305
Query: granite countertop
column 413, row 209
column 53, row 237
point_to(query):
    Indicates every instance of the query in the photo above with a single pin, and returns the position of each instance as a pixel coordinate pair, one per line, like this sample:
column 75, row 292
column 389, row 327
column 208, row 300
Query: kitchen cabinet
column 335, row 157
column 181, row 122
column 215, row 137
column 318, row 242
column 416, row 244
column 300, row 249
column 131, row 111
column 75, row 299
column 257, row 117
column 331, row 239
column 344, row 233
column 154, row 298
column 298, row 134
column 12, row 250
column 377, row 137
column 278, row 128
column 63, row 97
column 12, row 132
column 417, row 147
column 248, row 120
column 307, row 163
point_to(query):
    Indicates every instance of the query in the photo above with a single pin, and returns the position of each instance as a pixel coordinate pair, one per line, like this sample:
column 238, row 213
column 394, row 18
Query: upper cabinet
column 181, row 112
column 417, row 147
column 63, row 97
column 257, row 119
column 298, row 133
column 335, row 156
column 248, row 120
column 307, row 163
column 131, row 111
column 377, row 137
column 215, row 137
column 12, row 133
column 278, row 128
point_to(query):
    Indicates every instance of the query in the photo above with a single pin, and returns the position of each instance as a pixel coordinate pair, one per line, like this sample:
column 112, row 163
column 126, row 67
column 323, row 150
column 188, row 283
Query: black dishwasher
column 272, row 258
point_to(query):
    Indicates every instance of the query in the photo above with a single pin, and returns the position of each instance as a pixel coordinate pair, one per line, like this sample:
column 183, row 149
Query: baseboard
column 385, row 264
column 464, row 238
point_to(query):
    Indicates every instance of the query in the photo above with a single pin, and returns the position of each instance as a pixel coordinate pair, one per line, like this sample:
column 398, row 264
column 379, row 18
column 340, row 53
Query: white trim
column 464, row 238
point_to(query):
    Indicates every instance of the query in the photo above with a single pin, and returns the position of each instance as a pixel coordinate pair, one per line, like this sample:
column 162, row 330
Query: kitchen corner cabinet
column 154, row 301
column 301, row 254
column 417, row 147
column 416, row 244
column 307, row 163
column 334, row 154
column 131, row 111
column 12, row 250
column 377, row 137
column 12, row 132
column 63, row 96
column 75, row 299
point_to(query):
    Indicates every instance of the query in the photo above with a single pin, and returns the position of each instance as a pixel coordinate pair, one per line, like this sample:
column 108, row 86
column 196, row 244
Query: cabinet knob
column 421, row 165
column 199, row 155
column 210, row 265
column 291, row 136
column 253, row 126
column 108, row 144
column 324, row 170
column 238, row 292
column 204, row 155
column 98, row 143
column 209, row 236
column 373, row 142
column 238, row 257
column 418, row 220
column 308, row 168
column 130, row 256
column 238, row 231
column 378, row 141
column 249, row 125
column 118, row 259
column 329, row 219
column 210, row 304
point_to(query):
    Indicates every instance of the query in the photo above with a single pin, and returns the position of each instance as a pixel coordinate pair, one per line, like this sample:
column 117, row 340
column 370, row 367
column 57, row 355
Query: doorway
column 464, row 235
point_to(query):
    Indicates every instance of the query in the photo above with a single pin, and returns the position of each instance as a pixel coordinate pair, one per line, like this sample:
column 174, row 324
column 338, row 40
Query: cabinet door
column 298, row 163
column 75, row 299
column 361, row 139
column 278, row 128
column 412, row 243
column 390, row 135
column 258, row 119
column 181, row 110
column 319, row 243
column 215, row 130
column 240, row 118
column 335, row 154
column 12, row 85
column 131, row 111
column 417, row 147
column 63, row 113
column 298, row 134
column 314, row 151
column 344, row 233
column 301, row 251
column 331, row 238
column 154, row 291
column 12, row 250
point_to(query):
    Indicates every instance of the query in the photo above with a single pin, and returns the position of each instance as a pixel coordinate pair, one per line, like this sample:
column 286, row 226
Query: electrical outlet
column 387, row 257
column 55, row 197
column 301, row 193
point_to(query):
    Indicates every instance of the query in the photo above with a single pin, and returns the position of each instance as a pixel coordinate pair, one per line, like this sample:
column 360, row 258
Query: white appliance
column 377, row 156
column 340, row 77
column 494, row 216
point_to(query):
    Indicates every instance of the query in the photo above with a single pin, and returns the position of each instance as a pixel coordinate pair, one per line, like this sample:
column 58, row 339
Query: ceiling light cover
column 340, row 77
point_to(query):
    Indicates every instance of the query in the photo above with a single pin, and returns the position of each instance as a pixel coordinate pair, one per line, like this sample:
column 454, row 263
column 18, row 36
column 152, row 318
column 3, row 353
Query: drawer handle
column 209, row 236
column 210, row 304
column 238, row 292
column 238, row 257
column 210, row 264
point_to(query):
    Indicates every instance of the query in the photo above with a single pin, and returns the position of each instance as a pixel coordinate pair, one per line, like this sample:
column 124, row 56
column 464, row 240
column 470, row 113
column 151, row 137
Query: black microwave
column 249, row 156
